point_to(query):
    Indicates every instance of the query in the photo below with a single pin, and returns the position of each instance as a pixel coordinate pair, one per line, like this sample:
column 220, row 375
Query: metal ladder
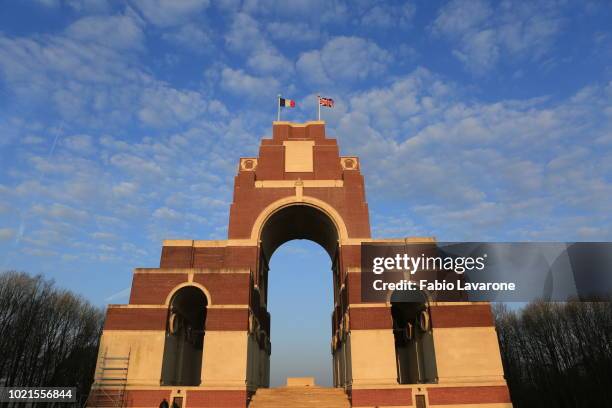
column 110, row 381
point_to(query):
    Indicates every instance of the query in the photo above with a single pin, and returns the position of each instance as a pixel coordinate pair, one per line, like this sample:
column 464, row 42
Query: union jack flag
column 328, row 102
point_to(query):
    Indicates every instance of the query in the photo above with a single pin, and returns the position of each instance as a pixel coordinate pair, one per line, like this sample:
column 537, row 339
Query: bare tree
column 48, row 336
column 557, row 354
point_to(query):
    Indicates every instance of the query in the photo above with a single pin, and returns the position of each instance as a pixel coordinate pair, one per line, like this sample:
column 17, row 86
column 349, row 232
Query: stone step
column 300, row 397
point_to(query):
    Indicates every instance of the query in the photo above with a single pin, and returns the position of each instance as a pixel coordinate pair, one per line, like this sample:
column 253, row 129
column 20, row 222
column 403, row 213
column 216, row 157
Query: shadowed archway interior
column 184, row 339
column 414, row 345
column 300, row 222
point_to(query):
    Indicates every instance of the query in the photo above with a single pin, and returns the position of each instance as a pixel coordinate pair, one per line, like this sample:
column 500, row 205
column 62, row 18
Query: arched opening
column 301, row 222
column 300, row 302
column 414, row 347
column 296, row 222
column 184, row 341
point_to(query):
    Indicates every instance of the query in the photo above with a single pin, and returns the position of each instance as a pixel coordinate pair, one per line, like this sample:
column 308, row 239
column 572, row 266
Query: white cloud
column 244, row 33
column 167, row 214
column 7, row 234
column 105, row 236
column 246, row 38
column 460, row 16
column 292, row 32
column 89, row 6
column 79, row 143
column 317, row 11
column 170, row 12
column 125, row 189
column 135, row 165
column 484, row 35
column 48, row 3
column 310, row 66
column 345, row 59
column 469, row 169
column 387, row 16
column 190, row 36
column 34, row 60
column 119, row 32
column 480, row 50
column 164, row 106
column 269, row 60
column 79, row 80
column 32, row 140
column 60, row 211
column 45, row 253
column 239, row 82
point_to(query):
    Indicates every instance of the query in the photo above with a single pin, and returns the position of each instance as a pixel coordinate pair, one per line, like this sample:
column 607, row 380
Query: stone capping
column 391, row 241
column 165, row 306
column 131, row 306
column 295, row 124
column 220, row 243
column 366, row 305
column 156, row 387
column 293, row 183
column 253, row 242
column 193, row 270
column 405, row 240
column 484, row 381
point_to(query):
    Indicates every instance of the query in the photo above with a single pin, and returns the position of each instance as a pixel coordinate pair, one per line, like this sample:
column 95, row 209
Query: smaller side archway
column 414, row 346
column 184, row 339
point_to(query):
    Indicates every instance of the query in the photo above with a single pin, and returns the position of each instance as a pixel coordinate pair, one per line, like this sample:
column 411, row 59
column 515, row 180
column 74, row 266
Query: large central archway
column 301, row 221
column 296, row 221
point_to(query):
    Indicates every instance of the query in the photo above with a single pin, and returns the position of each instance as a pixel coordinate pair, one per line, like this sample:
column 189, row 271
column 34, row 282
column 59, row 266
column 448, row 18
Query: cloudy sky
column 121, row 124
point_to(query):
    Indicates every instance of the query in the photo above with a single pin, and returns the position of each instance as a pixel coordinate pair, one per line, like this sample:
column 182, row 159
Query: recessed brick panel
column 225, row 288
column 351, row 256
column 225, row 257
column 249, row 202
column 370, row 318
column 327, row 163
column 271, row 163
column 146, row 398
column 154, row 288
column 461, row 316
column 354, row 288
column 135, row 319
column 227, row 319
column 381, row 397
column 217, row 399
column 176, row 257
column 468, row 395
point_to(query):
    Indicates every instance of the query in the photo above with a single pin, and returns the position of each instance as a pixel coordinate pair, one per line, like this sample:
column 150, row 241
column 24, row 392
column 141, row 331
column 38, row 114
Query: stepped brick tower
column 197, row 329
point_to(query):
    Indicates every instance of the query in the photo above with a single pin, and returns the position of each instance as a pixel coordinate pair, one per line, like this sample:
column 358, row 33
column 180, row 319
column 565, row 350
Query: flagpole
column 319, row 107
column 278, row 107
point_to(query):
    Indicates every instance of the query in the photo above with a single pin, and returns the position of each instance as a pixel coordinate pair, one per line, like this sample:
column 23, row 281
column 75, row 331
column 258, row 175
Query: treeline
column 48, row 336
column 557, row 354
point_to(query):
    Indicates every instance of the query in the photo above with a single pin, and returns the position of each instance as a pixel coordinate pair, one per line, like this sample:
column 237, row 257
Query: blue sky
column 121, row 123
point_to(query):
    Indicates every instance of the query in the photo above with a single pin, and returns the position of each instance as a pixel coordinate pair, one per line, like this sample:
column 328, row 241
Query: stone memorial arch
column 197, row 329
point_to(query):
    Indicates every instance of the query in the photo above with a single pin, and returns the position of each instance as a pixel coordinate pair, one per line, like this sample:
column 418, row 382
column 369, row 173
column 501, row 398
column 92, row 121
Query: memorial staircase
column 300, row 397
